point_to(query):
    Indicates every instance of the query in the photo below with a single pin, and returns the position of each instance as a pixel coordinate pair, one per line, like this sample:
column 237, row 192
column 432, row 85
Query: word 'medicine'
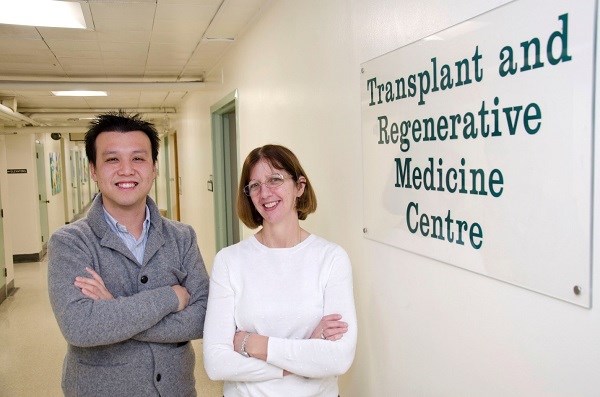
column 452, row 180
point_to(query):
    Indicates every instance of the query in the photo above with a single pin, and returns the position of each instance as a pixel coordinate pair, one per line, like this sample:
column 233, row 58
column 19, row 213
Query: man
column 128, row 287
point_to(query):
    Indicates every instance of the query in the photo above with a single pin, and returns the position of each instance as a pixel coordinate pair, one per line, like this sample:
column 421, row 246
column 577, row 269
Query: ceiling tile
column 43, row 58
column 130, row 40
column 35, row 69
column 68, row 34
column 131, row 36
column 77, row 54
column 186, row 13
column 234, row 17
column 19, row 46
column 214, row 3
column 121, row 16
column 17, row 31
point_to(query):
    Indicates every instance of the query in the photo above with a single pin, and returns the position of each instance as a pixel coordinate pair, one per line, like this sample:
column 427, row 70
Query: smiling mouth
column 127, row 185
column 270, row 205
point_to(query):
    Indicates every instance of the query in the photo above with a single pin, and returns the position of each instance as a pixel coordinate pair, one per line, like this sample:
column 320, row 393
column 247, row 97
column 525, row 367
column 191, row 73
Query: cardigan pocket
column 108, row 380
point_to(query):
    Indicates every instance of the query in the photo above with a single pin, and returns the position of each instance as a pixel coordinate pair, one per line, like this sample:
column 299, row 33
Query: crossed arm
column 257, row 346
column 93, row 287
column 329, row 328
column 91, row 315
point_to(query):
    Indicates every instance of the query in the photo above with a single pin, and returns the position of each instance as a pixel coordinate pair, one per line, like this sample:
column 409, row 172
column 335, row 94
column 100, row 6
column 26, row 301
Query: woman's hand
column 330, row 327
column 94, row 287
column 257, row 346
column 238, row 338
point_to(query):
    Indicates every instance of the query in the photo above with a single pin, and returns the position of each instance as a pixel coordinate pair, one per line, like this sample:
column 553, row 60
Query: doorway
column 172, row 176
column 3, row 286
column 42, row 194
column 225, row 170
column 75, row 182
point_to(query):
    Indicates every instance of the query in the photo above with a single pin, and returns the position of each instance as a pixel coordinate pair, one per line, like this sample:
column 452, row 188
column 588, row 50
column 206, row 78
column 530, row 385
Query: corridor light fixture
column 219, row 39
column 79, row 93
column 49, row 13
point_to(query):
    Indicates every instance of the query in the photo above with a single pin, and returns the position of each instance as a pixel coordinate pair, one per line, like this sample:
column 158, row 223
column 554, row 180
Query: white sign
column 477, row 146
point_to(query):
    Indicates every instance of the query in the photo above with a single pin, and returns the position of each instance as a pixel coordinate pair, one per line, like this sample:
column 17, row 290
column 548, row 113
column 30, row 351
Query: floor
column 32, row 347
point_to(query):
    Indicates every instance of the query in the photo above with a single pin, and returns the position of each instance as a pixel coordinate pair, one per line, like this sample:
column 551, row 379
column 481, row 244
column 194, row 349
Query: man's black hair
column 119, row 122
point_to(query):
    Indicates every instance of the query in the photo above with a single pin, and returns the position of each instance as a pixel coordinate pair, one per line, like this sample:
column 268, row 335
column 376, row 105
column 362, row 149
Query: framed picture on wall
column 55, row 173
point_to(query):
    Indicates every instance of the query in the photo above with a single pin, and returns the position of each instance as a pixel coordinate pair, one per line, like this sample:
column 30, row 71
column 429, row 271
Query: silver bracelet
column 243, row 351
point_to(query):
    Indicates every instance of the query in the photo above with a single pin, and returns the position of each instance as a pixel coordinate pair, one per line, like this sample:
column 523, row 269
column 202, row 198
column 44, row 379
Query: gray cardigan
column 134, row 345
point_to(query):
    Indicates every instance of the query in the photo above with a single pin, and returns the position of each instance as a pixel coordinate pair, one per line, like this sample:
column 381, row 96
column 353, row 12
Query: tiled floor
column 32, row 347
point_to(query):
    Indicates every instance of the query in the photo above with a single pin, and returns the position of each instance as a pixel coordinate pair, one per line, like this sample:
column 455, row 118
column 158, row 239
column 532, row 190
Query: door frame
column 4, row 288
column 43, row 201
column 227, row 224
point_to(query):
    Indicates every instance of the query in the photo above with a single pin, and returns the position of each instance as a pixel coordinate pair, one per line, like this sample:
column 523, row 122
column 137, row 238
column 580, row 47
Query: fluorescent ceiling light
column 224, row 39
column 79, row 93
column 51, row 13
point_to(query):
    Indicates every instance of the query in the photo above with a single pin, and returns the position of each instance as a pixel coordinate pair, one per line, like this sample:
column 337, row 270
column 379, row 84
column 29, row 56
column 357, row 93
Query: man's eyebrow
column 141, row 151
column 112, row 152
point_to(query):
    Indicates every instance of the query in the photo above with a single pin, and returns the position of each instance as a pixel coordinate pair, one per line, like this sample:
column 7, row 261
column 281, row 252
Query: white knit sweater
column 281, row 293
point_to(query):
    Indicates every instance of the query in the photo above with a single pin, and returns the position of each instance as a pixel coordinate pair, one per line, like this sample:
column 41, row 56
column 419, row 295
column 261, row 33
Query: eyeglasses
column 271, row 182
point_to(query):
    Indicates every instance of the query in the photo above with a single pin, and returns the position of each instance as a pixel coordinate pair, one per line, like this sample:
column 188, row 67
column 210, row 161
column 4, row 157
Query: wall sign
column 477, row 146
column 16, row 171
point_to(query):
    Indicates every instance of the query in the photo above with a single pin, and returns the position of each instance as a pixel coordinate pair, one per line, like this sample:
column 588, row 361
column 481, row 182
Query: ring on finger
column 323, row 335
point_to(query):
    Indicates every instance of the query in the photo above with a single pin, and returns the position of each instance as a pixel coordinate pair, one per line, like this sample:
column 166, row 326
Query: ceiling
column 148, row 54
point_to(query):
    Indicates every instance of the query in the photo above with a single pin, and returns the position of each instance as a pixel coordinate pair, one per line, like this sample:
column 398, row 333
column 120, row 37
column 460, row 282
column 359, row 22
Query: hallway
column 33, row 347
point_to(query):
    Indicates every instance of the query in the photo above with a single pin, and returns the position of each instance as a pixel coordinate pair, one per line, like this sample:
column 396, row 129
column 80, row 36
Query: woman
column 266, row 332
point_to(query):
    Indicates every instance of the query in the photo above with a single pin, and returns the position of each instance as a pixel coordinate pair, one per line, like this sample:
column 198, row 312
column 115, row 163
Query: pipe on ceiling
column 47, row 130
column 83, row 116
column 102, row 86
column 8, row 114
column 42, row 130
column 95, row 111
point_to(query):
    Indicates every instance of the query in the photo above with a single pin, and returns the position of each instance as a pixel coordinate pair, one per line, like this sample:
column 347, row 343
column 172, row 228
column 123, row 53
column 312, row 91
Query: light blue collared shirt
column 137, row 247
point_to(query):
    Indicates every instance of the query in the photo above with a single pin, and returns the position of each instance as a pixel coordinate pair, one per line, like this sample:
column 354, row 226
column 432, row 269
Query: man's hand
column 94, row 287
column 182, row 295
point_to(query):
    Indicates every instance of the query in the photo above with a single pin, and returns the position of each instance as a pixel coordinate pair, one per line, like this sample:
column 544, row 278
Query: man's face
column 124, row 170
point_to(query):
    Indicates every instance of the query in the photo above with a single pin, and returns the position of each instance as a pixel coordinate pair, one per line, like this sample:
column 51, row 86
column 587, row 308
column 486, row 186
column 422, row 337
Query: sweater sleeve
column 85, row 322
column 221, row 362
column 188, row 323
column 317, row 358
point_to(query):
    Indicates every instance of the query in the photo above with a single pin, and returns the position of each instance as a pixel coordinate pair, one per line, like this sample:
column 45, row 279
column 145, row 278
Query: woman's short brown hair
column 281, row 158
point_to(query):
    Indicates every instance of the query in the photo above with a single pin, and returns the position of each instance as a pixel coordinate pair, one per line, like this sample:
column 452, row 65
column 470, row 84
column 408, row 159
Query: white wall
column 426, row 328
column 4, row 198
column 24, row 220
column 195, row 166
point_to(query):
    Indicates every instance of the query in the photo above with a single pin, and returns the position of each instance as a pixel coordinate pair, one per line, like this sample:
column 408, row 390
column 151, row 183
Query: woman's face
column 275, row 204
